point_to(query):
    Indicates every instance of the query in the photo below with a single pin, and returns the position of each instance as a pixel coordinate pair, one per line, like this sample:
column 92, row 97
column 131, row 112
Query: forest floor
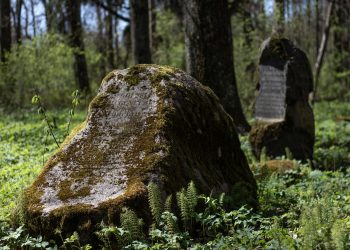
column 303, row 208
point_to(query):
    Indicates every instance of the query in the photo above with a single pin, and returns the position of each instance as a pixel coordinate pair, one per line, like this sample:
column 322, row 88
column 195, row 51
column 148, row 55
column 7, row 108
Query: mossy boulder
column 294, row 130
column 147, row 123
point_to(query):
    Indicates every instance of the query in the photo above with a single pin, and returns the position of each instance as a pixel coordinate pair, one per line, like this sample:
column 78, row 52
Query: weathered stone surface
column 284, row 118
column 147, row 123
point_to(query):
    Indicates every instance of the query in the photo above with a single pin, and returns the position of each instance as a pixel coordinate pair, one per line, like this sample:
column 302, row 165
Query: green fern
column 341, row 234
column 191, row 197
column 316, row 233
column 168, row 203
column 131, row 223
column 222, row 199
column 183, row 205
column 155, row 202
column 289, row 154
column 170, row 222
column 187, row 200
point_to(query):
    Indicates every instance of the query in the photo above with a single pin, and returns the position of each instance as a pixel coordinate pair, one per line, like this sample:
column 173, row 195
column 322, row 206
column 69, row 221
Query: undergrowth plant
column 51, row 123
column 302, row 208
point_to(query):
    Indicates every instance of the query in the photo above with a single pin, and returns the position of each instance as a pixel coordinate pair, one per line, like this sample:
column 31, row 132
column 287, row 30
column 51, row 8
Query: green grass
column 302, row 209
column 24, row 148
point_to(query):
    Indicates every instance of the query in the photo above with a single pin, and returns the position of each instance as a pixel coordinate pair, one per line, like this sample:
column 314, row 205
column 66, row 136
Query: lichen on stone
column 147, row 123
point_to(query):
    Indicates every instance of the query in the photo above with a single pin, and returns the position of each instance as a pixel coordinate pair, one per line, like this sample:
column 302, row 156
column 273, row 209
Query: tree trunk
column 341, row 39
column 140, row 35
column 152, row 25
column 76, row 41
column 55, row 17
column 19, row 4
column 117, row 56
column 48, row 14
column 26, row 21
column 209, row 54
column 317, row 20
column 60, row 18
column 100, row 42
column 109, row 37
column 33, row 17
column 127, row 45
column 323, row 47
column 5, row 23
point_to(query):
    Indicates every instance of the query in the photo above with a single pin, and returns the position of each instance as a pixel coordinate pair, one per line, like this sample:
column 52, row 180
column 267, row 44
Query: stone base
column 276, row 137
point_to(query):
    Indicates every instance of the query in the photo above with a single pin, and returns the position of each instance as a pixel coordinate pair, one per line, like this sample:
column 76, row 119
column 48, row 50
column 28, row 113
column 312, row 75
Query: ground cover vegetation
column 302, row 208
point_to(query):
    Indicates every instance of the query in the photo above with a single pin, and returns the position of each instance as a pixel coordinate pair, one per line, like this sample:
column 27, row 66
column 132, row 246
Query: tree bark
column 209, row 53
column 76, row 41
column 48, row 14
column 115, row 13
column 341, row 39
column 127, row 45
column 109, row 37
column 116, row 42
column 100, row 41
column 317, row 21
column 19, row 4
column 323, row 47
column 5, row 22
column 26, row 21
column 152, row 25
column 33, row 17
column 140, row 35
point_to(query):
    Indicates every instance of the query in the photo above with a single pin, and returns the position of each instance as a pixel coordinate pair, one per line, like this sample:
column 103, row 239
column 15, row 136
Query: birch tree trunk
column 323, row 47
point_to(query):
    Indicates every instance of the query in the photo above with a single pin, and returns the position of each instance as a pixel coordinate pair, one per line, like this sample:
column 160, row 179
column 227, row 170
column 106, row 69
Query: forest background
column 46, row 42
column 51, row 48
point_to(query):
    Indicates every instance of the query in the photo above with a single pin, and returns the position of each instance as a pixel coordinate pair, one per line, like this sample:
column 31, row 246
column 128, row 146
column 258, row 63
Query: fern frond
column 170, row 222
column 155, row 203
column 168, row 203
column 131, row 223
column 191, row 197
column 222, row 199
column 183, row 205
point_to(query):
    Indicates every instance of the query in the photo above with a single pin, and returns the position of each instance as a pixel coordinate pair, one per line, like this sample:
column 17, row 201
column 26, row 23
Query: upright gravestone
column 147, row 123
column 284, row 118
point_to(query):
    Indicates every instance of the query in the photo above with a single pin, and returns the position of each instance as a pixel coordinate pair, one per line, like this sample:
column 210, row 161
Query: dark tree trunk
column 19, row 4
column 317, row 21
column 152, row 25
column 48, row 14
column 109, row 37
column 76, row 41
column 127, row 45
column 55, row 17
column 100, row 44
column 61, row 18
column 33, row 17
column 140, row 35
column 341, row 39
column 26, row 20
column 117, row 56
column 5, row 23
column 210, row 53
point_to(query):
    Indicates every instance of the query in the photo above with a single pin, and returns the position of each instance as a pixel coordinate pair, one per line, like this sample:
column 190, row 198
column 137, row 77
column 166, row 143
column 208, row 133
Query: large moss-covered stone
column 147, row 123
column 284, row 118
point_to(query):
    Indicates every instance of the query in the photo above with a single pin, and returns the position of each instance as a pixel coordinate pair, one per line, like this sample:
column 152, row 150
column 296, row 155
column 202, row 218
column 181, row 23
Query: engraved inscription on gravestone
column 270, row 103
